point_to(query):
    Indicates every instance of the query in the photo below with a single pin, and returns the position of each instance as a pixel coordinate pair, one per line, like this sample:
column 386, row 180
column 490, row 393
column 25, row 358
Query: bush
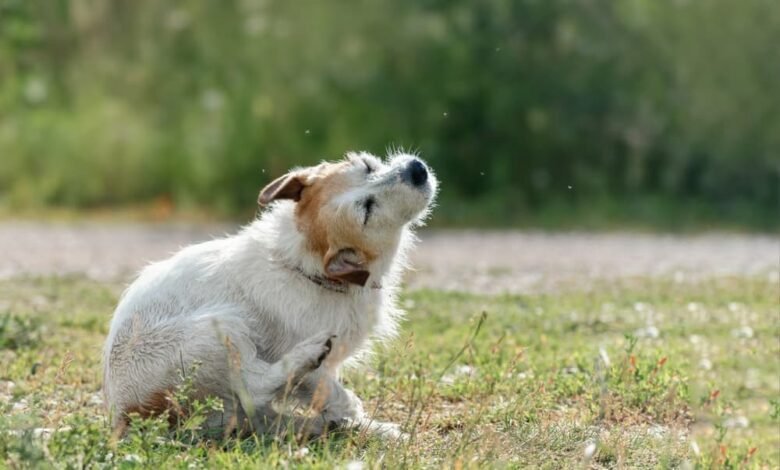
column 523, row 106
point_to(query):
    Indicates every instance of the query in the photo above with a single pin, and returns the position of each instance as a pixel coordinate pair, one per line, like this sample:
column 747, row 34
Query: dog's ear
column 288, row 186
column 346, row 265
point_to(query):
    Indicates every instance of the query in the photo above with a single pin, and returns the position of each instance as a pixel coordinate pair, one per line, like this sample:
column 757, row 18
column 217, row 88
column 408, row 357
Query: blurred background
column 534, row 113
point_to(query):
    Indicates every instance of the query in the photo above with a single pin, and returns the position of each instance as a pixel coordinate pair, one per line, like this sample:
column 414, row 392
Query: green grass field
column 642, row 373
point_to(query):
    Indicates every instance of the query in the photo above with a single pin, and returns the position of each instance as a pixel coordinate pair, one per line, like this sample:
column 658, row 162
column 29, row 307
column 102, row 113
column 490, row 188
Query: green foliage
column 634, row 109
column 18, row 332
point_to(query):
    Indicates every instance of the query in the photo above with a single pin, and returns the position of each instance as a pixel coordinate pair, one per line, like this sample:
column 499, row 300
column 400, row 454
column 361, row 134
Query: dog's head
column 353, row 212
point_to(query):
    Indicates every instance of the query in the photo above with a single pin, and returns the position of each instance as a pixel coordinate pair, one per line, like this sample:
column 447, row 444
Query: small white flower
column 134, row 458
column 96, row 399
column 46, row 433
column 604, row 356
column 590, row 449
column 354, row 465
column 705, row 364
column 742, row 332
column 20, row 405
column 460, row 371
column 695, row 448
column 42, row 433
column 657, row 431
column 647, row 332
column 301, row 453
column 737, row 422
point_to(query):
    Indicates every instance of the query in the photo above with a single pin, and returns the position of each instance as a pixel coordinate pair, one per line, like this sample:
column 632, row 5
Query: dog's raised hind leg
column 262, row 382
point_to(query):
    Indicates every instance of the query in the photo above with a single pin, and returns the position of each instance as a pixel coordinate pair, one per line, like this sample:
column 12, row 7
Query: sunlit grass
column 639, row 373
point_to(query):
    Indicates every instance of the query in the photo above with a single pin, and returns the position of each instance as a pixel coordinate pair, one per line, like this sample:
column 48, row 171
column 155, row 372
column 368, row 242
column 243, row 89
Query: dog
column 275, row 311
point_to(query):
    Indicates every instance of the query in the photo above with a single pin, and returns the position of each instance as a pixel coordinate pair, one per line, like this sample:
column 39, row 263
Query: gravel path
column 476, row 261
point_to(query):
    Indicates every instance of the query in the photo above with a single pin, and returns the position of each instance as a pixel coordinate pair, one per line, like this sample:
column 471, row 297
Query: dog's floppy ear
column 288, row 186
column 346, row 265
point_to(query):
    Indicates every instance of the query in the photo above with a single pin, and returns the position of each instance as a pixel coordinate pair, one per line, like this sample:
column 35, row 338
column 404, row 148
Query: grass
column 642, row 373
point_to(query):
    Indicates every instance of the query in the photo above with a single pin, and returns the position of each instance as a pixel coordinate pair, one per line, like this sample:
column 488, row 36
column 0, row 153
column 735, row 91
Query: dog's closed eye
column 368, row 207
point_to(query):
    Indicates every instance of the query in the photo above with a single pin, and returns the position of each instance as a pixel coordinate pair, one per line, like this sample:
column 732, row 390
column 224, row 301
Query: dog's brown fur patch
column 155, row 404
column 328, row 231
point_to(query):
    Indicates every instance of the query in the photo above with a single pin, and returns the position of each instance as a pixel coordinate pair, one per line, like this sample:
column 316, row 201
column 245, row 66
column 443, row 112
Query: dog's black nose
column 416, row 173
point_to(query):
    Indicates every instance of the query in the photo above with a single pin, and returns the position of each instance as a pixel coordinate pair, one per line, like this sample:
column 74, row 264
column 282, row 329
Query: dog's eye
column 368, row 207
column 369, row 170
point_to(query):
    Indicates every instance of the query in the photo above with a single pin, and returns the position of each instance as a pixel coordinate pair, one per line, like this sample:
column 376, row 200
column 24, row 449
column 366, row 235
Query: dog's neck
column 331, row 284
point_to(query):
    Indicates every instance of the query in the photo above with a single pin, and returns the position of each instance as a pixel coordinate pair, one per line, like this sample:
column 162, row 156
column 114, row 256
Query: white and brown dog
column 278, row 308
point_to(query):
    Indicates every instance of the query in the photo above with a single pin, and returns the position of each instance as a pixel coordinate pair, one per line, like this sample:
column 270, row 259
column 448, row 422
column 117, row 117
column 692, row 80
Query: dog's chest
column 351, row 316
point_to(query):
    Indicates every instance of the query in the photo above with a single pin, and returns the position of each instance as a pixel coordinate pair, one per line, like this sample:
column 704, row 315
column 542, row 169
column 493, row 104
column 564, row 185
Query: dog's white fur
column 247, row 310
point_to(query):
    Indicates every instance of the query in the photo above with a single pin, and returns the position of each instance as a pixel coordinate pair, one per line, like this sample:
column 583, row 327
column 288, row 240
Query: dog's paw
column 389, row 431
column 310, row 353
column 380, row 429
column 343, row 404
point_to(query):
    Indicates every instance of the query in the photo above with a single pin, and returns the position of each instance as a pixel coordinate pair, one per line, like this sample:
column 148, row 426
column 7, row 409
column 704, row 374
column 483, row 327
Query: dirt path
column 476, row 261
